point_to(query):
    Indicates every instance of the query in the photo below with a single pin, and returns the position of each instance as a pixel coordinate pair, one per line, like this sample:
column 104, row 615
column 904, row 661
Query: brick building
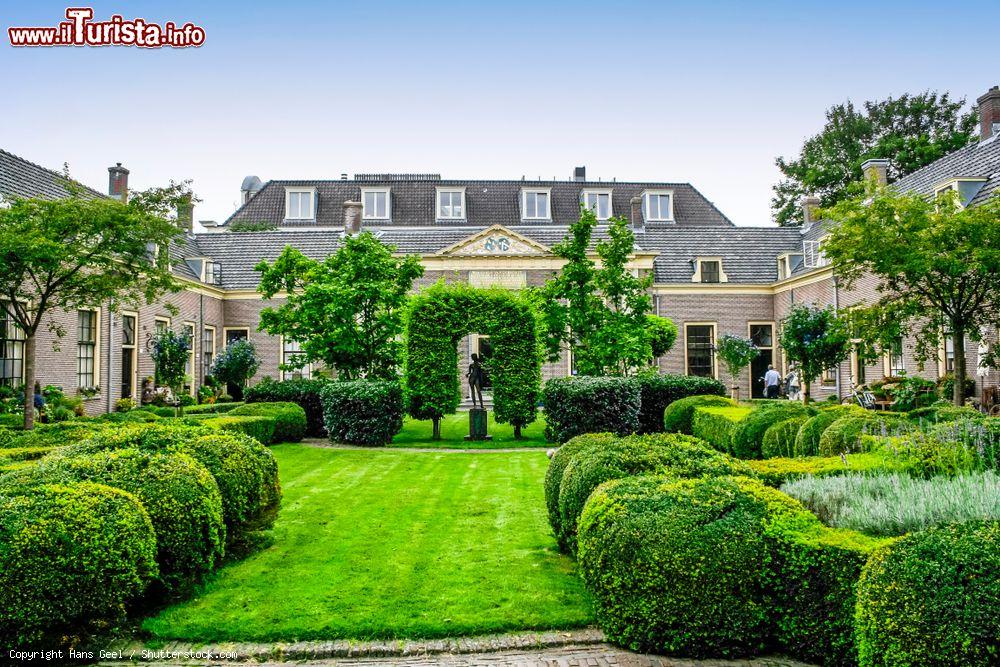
column 710, row 276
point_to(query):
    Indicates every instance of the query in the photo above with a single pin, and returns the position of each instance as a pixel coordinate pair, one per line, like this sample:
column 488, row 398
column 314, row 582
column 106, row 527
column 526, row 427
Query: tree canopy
column 736, row 353
column 910, row 131
column 814, row 340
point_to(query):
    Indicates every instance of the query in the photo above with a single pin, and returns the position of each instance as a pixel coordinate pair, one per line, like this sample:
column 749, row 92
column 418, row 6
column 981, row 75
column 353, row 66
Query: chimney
column 876, row 171
column 352, row 217
column 185, row 213
column 810, row 204
column 989, row 113
column 636, row 213
column 118, row 182
column 580, row 174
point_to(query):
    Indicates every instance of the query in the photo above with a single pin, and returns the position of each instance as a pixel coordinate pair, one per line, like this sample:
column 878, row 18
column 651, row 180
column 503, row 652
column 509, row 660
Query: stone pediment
column 496, row 241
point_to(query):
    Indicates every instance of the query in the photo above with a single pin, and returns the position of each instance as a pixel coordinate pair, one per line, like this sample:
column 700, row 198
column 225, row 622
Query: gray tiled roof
column 487, row 202
column 977, row 160
column 20, row 178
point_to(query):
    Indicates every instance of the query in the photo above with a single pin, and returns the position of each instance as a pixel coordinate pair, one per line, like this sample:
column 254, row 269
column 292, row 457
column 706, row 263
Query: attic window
column 659, row 205
column 213, row 273
column 451, row 204
column 535, row 204
column 376, row 203
column 300, row 203
column 967, row 189
column 786, row 264
column 709, row 270
column 813, row 256
column 599, row 201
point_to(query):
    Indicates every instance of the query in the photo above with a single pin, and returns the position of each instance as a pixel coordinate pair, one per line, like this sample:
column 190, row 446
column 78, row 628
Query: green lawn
column 454, row 428
column 383, row 544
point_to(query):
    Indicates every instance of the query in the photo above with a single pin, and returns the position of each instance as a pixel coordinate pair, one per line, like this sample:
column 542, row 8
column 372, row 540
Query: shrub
column 11, row 420
column 675, row 566
column 259, row 427
column 236, row 364
column 363, row 412
column 677, row 416
column 976, row 439
column 946, row 386
column 289, row 418
column 213, row 408
column 657, row 392
column 912, row 392
column 747, row 436
column 807, row 439
column 55, row 435
column 180, row 496
column 777, row 471
column 844, row 435
column 131, row 417
column 779, row 438
column 715, row 425
column 155, row 437
column 71, row 558
column 557, row 466
column 578, row 405
column 304, row 392
column 931, row 598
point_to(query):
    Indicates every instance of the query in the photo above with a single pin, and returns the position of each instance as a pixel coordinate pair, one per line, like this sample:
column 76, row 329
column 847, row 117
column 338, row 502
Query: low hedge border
column 777, row 471
column 554, row 475
column 212, row 408
column 844, row 435
column 779, row 438
column 715, row 425
column 678, row 416
column 746, row 438
column 658, row 391
column 289, row 418
column 808, row 437
column 259, row 427
column 304, row 392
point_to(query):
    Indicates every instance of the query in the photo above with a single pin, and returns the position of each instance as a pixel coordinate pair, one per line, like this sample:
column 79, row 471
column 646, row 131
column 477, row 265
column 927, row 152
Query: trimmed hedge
column 363, row 412
column 54, row 435
column 305, row 392
column 657, row 392
column 213, row 408
column 11, row 420
column 777, row 471
column 576, row 405
column 779, row 438
column 678, row 416
column 289, row 418
column 675, row 566
column 715, row 425
column 557, row 466
column 931, row 598
column 807, row 440
column 843, row 436
column 71, row 558
column 260, row 428
column 747, row 437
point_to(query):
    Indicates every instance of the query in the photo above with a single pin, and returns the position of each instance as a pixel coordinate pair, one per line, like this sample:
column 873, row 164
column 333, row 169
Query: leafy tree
column 237, row 364
column 814, row 339
column 936, row 264
column 662, row 333
column 598, row 312
column 910, row 131
column 170, row 350
column 736, row 353
column 346, row 311
column 78, row 252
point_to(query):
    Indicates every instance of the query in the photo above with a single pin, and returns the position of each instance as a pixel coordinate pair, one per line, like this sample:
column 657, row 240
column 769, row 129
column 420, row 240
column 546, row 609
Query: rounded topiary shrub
column 71, row 559
column 747, row 436
column 779, row 438
column 844, row 436
column 677, row 566
column 659, row 390
column 363, row 412
column 578, row 405
column 179, row 494
column 678, row 415
column 289, row 418
column 807, row 439
column 557, row 466
column 931, row 598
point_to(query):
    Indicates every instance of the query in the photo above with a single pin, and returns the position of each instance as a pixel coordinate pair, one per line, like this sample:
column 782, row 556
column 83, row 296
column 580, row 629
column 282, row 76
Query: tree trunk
column 517, row 430
column 437, row 429
column 29, row 382
column 805, row 392
column 958, row 391
column 734, row 392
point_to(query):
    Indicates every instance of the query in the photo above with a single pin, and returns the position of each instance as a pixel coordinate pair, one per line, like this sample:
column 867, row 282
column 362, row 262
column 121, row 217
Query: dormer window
column 786, row 264
column 213, row 273
column 451, row 203
column 375, row 202
column 535, row 204
column 659, row 205
column 300, row 203
column 813, row 257
column 599, row 201
column 709, row 270
column 967, row 189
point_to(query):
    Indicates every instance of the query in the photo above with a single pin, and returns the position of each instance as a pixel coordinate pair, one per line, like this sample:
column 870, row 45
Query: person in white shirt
column 772, row 380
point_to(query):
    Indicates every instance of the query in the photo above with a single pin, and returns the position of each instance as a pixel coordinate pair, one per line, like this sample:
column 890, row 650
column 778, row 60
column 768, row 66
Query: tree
column 76, row 252
column 936, row 264
column 662, row 333
column 736, row 353
column 598, row 312
column 910, row 131
column 170, row 352
column 346, row 311
column 814, row 339
column 237, row 364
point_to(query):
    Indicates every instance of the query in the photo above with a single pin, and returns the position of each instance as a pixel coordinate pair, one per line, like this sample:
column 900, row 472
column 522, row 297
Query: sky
column 702, row 92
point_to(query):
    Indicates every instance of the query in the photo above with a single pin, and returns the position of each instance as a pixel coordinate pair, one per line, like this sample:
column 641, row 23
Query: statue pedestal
column 477, row 425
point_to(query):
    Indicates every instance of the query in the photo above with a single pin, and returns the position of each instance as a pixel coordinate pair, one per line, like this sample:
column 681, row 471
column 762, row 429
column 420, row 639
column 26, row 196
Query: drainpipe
column 199, row 369
column 836, row 311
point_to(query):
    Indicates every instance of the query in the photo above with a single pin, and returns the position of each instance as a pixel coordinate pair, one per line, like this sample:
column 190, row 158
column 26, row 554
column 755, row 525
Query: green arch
column 436, row 320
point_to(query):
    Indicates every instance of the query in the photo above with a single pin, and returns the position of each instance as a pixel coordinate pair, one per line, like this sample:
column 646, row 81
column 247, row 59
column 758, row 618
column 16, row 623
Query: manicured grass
column 454, row 428
column 383, row 544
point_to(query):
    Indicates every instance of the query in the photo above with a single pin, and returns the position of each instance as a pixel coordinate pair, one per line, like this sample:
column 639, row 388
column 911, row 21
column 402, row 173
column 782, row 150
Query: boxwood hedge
column 557, row 466
column 576, row 405
column 747, row 436
column 304, row 392
column 259, row 427
column 363, row 412
column 289, row 418
column 807, row 440
column 715, row 425
column 677, row 416
column 844, row 435
column 658, row 391
column 779, row 438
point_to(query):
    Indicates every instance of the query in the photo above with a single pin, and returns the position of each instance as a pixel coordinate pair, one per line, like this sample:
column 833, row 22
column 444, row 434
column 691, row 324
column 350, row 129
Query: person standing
column 772, row 382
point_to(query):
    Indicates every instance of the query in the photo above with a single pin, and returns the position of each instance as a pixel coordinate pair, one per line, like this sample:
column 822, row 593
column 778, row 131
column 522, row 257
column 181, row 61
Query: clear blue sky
column 707, row 93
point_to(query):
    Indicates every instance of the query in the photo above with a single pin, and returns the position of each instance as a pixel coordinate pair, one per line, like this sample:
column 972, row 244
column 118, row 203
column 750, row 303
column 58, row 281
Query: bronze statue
column 477, row 378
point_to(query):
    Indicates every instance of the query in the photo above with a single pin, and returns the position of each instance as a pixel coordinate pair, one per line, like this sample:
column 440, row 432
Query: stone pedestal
column 477, row 425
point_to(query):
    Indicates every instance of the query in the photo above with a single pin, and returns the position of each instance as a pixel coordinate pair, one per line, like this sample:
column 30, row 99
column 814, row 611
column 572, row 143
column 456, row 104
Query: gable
column 496, row 241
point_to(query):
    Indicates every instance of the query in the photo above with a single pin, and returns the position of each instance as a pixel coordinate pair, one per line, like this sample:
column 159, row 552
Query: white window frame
column 696, row 277
column 96, row 345
column 369, row 215
column 452, row 191
column 812, row 254
column 311, row 192
column 597, row 192
column 536, row 191
column 646, row 208
column 190, row 329
column 304, row 371
column 225, row 337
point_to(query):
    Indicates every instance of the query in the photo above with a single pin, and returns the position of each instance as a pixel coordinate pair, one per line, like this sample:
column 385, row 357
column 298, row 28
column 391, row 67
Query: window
column 86, row 349
column 535, row 205
column 234, row 334
column 129, row 354
column 451, row 204
column 700, row 342
column 813, row 255
column 375, row 203
column 762, row 335
column 830, row 375
column 786, row 264
column 300, row 203
column 11, row 349
column 161, row 324
column 291, row 352
column 708, row 270
column 895, row 365
column 949, row 353
column 213, row 273
column 659, row 206
column 599, row 201
column 207, row 349
column 858, row 370
column 189, row 363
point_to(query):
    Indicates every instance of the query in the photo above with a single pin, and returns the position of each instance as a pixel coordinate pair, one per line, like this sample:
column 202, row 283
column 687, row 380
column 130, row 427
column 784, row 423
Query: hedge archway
column 436, row 320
